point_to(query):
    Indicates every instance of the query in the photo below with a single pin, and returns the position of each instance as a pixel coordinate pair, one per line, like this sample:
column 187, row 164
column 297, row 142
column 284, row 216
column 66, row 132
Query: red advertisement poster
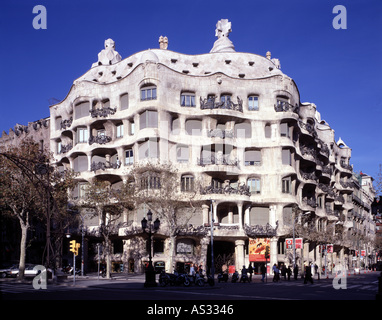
column 257, row 248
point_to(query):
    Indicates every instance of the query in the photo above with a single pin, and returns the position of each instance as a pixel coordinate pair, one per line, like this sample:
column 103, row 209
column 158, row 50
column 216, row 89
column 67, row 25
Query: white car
column 28, row 272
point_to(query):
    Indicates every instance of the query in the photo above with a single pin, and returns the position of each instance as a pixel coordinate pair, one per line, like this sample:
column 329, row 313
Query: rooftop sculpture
column 108, row 55
column 222, row 31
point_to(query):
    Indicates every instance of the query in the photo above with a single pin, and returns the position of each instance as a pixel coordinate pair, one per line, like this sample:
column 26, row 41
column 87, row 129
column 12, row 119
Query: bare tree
column 159, row 187
column 109, row 205
column 30, row 187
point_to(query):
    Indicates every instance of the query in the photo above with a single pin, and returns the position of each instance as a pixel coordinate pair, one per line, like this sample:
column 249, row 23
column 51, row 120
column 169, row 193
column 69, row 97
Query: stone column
column 240, row 212
column 273, row 253
column 239, row 250
column 205, row 210
column 204, row 242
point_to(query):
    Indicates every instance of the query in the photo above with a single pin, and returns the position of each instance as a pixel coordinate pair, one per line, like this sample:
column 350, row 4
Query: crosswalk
column 15, row 288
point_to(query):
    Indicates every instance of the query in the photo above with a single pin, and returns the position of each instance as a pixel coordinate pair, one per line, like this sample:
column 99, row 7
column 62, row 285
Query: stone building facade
column 233, row 121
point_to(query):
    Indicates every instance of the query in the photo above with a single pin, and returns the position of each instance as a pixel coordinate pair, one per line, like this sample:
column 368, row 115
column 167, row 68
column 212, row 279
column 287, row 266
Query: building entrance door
column 224, row 255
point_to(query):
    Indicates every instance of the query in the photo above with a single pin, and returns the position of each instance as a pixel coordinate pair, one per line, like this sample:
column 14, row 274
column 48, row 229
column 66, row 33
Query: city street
column 358, row 287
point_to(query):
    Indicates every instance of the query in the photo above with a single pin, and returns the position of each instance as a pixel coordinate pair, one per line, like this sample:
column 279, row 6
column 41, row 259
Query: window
column 253, row 103
column 82, row 110
column 79, row 191
column 124, row 101
column 80, row 163
column 286, row 157
column 182, row 153
column 187, row 183
column 284, row 130
column 119, row 130
column 101, row 133
column 132, row 128
column 282, row 103
column 82, row 135
column 148, row 119
column 148, row 93
column 259, row 216
column 187, row 99
column 243, row 130
column 286, row 185
column 194, row 127
column 59, row 147
column 149, row 149
column 252, row 157
column 129, row 157
column 150, row 182
column 268, row 131
column 226, row 99
column 254, row 185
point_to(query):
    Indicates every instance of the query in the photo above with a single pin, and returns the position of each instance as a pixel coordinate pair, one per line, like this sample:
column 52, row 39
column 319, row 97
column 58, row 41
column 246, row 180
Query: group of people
column 287, row 271
column 194, row 268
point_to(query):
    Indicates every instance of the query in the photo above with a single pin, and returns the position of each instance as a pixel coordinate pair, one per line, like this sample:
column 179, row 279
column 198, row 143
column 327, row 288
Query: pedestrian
column 276, row 275
column 250, row 271
column 308, row 275
column 244, row 275
column 295, row 271
column 283, row 271
column 263, row 270
column 289, row 272
column 192, row 269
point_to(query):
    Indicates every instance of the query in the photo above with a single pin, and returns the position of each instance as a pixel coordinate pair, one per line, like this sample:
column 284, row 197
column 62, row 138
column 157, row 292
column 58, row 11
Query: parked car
column 28, row 272
column 4, row 269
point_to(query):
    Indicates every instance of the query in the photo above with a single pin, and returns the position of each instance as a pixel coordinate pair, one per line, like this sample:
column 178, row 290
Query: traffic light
column 74, row 247
column 77, row 247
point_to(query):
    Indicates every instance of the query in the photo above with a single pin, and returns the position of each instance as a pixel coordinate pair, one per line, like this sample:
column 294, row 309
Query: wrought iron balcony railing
column 210, row 103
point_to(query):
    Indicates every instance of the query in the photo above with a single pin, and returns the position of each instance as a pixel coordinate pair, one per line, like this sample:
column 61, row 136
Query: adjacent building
column 234, row 121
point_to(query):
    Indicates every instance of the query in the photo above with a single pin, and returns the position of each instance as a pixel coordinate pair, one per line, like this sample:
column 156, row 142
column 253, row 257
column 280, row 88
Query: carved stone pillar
column 273, row 252
column 239, row 251
column 240, row 212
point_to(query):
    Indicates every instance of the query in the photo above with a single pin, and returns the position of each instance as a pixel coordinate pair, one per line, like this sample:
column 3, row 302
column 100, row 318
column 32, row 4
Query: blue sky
column 338, row 70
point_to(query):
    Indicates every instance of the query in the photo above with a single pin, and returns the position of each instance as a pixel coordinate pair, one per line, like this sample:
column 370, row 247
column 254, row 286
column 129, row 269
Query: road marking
column 226, row 295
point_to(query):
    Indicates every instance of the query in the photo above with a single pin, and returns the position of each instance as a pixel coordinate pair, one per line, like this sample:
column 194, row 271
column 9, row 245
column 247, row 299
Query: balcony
column 210, row 103
column 308, row 175
column 102, row 112
column 241, row 189
column 218, row 133
column 100, row 139
column 346, row 166
column 65, row 148
column 284, row 106
column 66, row 123
column 104, row 165
column 309, row 202
column 346, row 184
column 218, row 160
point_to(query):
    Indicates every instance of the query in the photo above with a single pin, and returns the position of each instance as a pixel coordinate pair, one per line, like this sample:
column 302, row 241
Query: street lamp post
column 294, row 236
column 212, row 242
column 152, row 228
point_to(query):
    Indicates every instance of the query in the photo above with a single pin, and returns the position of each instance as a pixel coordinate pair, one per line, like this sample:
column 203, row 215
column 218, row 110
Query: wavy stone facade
column 232, row 120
